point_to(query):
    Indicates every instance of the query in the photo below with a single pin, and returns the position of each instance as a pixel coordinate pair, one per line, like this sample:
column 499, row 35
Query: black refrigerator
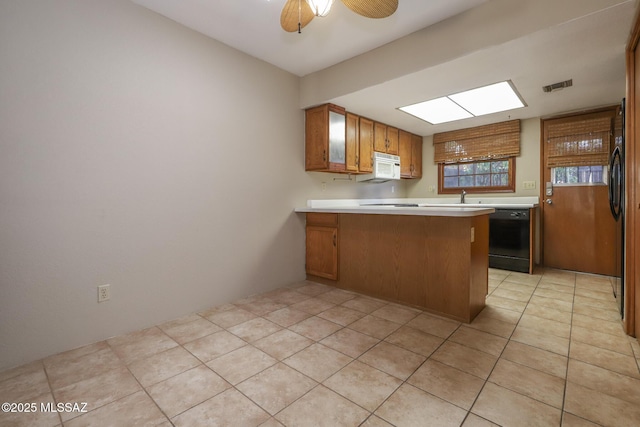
column 616, row 203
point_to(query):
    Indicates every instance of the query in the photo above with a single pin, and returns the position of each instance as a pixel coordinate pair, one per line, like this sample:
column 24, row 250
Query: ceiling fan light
column 320, row 7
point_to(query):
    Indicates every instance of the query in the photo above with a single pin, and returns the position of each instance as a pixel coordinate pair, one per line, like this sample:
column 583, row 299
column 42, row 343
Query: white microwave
column 385, row 168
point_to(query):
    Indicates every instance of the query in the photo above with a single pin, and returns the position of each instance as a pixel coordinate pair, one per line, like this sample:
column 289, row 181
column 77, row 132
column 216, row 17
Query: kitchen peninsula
column 430, row 257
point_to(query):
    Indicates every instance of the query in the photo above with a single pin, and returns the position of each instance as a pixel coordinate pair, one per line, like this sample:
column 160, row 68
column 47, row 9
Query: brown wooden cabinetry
column 353, row 143
column 437, row 263
column 366, row 145
column 385, row 139
column 359, row 144
column 322, row 245
column 410, row 147
column 337, row 141
column 325, row 138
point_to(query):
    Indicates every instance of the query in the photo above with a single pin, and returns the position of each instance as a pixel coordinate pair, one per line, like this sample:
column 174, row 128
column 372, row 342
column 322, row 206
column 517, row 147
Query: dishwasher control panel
column 516, row 214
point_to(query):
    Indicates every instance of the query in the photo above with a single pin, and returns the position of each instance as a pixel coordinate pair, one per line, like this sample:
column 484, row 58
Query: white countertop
column 392, row 210
column 426, row 207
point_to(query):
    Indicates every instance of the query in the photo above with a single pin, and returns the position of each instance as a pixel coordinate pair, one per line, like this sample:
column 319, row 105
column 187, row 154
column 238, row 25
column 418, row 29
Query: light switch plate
column 529, row 185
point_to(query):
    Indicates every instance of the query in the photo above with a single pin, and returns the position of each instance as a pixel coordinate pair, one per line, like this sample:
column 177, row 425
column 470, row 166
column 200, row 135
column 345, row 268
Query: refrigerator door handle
column 614, row 183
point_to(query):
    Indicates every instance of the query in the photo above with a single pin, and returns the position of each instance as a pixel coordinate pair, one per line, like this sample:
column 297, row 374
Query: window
column 577, row 148
column 477, row 177
column 479, row 159
column 575, row 175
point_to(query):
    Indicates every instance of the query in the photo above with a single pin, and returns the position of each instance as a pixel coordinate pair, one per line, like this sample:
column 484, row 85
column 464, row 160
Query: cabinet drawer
column 322, row 219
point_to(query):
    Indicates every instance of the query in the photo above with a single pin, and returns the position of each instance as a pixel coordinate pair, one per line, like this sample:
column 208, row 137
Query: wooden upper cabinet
column 366, row 145
column 385, row 139
column 405, row 154
column 380, row 137
column 392, row 141
column 325, row 132
column 352, row 143
column 416, row 156
column 337, row 141
column 410, row 155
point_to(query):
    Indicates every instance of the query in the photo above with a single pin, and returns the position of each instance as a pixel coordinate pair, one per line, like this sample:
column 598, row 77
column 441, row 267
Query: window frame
column 510, row 188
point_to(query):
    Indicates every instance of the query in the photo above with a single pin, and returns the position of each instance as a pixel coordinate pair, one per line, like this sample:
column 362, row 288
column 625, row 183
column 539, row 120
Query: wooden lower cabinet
column 322, row 245
column 422, row 261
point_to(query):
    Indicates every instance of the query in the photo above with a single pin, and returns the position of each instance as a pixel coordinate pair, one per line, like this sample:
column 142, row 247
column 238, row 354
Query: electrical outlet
column 104, row 293
column 432, row 189
column 324, row 186
column 529, row 185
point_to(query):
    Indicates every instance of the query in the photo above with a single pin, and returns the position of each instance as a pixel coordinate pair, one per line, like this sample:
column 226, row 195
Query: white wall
column 527, row 166
column 138, row 153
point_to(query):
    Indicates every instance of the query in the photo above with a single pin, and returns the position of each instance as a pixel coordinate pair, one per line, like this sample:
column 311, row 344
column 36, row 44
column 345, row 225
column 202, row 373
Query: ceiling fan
column 296, row 14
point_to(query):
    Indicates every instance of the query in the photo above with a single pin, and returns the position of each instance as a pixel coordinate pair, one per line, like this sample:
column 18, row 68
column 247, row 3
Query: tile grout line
column 499, row 356
column 53, row 396
column 566, row 379
column 342, row 327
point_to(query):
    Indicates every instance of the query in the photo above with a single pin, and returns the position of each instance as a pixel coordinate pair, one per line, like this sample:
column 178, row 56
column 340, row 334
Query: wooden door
column 380, row 137
column 406, row 162
column 578, row 230
column 317, row 138
column 322, row 251
column 416, row 156
column 392, row 141
column 366, row 145
column 352, row 142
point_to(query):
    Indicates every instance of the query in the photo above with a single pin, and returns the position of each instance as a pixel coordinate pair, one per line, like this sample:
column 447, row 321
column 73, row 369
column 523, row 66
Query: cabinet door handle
column 324, row 155
column 357, row 160
column 335, row 236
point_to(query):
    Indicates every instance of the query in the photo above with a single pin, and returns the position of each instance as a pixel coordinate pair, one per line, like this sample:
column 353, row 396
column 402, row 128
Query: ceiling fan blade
column 294, row 12
column 372, row 8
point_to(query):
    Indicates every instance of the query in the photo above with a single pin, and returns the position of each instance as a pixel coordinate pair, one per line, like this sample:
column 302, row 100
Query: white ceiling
column 253, row 26
column 586, row 47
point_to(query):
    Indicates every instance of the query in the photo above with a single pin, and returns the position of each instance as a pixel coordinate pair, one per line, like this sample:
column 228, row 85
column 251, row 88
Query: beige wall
column 138, row 153
column 527, row 165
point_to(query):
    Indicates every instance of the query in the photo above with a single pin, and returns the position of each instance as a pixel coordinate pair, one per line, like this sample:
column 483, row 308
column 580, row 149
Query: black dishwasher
column 509, row 239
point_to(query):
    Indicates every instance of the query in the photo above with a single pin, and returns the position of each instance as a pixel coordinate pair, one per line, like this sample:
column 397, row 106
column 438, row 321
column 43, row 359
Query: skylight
column 471, row 103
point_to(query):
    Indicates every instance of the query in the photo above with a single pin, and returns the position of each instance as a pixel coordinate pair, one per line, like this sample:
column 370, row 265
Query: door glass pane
column 577, row 175
column 337, row 135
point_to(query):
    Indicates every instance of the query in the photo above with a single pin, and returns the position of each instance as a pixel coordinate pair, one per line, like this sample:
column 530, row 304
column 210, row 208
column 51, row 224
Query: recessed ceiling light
column 476, row 102
column 436, row 111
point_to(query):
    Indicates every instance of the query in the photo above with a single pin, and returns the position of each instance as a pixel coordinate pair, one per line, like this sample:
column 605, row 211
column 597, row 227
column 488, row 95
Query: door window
column 579, row 175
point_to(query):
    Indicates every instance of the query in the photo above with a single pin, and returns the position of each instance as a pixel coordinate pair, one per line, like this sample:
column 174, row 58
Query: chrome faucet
column 464, row 193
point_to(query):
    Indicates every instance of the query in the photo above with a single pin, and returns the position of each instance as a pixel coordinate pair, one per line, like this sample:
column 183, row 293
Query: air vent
column 558, row 86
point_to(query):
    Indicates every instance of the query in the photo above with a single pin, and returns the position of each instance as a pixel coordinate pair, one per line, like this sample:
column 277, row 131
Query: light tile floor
column 548, row 350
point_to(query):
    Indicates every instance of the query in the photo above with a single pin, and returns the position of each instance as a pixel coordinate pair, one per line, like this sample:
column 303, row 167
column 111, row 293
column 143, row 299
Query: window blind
column 579, row 141
column 494, row 141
